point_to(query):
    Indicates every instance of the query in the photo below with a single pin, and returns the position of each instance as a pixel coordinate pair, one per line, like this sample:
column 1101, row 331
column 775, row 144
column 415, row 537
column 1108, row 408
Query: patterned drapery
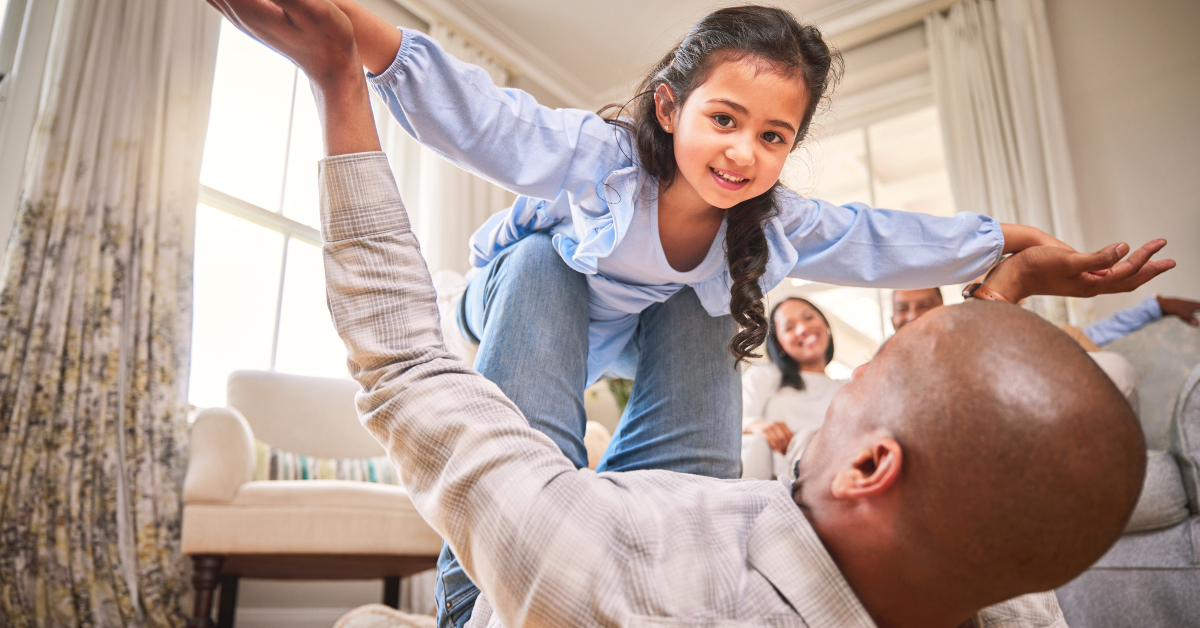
column 95, row 320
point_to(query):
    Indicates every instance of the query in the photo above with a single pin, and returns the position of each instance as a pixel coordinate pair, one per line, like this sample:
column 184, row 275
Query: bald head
column 1017, row 461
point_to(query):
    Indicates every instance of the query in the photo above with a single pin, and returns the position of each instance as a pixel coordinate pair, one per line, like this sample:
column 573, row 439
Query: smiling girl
column 670, row 212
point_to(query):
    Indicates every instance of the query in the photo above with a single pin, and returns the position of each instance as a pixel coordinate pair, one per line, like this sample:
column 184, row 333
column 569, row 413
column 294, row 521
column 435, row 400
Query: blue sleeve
column 502, row 135
column 504, row 228
column 1124, row 322
column 854, row 245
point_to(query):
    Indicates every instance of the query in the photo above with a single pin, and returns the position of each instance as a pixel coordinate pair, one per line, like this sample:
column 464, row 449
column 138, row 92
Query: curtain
column 95, row 319
column 1006, row 147
column 452, row 203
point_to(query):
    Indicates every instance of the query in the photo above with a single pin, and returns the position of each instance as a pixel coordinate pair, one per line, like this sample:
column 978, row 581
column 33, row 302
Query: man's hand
column 1062, row 272
column 777, row 434
column 317, row 37
column 1182, row 308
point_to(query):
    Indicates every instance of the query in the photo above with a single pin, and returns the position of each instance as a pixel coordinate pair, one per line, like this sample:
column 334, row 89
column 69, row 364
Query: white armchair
column 236, row 527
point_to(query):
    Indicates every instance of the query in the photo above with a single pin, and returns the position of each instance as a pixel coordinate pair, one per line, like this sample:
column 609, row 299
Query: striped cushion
column 274, row 464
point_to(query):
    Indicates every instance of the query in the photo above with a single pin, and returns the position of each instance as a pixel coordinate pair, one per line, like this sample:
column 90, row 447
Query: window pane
column 247, row 129
column 832, row 168
column 3, row 11
column 859, row 307
column 305, row 150
column 234, row 295
column 910, row 165
column 308, row 343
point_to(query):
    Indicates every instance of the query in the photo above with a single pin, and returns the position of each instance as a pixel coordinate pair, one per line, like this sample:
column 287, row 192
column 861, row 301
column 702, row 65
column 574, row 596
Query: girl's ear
column 664, row 107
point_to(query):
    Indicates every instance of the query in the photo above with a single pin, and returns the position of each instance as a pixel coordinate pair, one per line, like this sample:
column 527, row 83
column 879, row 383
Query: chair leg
column 206, row 573
column 228, row 607
column 391, row 592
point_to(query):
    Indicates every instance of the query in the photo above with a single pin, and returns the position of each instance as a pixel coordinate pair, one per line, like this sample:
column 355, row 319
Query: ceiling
column 595, row 51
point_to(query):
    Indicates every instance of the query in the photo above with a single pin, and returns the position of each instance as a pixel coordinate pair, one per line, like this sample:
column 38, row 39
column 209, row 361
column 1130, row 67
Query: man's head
column 957, row 465
column 909, row 305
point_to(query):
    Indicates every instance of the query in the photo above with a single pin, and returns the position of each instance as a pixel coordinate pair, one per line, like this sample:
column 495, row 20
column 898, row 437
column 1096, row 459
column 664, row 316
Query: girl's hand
column 777, row 434
column 1020, row 237
column 314, row 34
column 1064, row 272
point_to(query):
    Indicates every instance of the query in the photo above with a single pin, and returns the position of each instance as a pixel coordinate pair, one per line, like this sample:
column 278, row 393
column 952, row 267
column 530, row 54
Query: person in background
column 909, row 305
column 1127, row 321
column 786, row 400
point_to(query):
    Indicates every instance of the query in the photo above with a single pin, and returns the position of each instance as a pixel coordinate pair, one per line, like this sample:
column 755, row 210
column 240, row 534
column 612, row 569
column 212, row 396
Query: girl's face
column 802, row 334
column 735, row 131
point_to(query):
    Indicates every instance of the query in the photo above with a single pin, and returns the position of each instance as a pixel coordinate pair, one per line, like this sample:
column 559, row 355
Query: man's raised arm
column 473, row 467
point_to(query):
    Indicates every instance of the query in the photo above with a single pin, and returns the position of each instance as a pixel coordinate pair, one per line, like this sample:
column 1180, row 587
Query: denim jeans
column 528, row 310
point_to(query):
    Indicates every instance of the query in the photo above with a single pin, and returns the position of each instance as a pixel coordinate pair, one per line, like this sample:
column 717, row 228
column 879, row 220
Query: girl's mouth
column 728, row 180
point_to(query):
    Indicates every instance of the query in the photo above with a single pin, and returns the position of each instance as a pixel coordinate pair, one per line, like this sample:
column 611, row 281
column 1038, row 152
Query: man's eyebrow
column 742, row 110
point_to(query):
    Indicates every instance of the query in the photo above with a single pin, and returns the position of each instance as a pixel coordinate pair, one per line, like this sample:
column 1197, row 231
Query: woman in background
column 783, row 403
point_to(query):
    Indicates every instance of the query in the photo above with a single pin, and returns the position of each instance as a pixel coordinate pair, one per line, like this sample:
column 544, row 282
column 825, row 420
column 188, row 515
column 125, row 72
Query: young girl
column 667, row 213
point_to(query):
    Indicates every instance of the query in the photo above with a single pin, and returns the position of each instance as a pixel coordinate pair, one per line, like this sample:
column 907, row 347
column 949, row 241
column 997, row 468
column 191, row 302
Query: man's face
column 909, row 305
column 853, row 413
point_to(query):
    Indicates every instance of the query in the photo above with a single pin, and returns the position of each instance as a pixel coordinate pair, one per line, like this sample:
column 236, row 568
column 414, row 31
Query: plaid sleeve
column 1034, row 610
column 473, row 467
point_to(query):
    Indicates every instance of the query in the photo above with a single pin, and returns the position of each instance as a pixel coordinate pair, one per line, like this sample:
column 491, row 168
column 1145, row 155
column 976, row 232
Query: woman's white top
column 800, row 410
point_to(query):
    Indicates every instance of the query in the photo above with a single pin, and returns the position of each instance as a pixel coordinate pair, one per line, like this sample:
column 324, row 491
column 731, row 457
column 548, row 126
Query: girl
column 785, row 402
column 664, row 223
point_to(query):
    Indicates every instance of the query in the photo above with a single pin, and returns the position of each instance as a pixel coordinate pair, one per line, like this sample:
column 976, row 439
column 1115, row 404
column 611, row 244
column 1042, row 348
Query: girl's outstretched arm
column 1020, row 237
column 377, row 41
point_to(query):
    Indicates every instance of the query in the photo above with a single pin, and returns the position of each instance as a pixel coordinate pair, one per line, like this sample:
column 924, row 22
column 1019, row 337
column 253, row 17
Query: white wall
column 1130, row 79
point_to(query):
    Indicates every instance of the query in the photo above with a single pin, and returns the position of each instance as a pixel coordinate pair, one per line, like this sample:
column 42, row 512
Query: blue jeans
column 528, row 310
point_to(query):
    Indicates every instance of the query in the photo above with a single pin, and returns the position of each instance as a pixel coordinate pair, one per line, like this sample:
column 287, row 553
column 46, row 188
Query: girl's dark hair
column 786, row 364
column 775, row 39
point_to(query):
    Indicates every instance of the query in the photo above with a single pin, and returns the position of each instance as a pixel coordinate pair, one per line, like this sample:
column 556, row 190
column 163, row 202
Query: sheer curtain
column 1006, row 147
column 451, row 203
column 95, row 319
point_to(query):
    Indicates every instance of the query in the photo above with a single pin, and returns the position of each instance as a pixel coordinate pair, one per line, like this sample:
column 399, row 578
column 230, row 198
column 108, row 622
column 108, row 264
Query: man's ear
column 665, row 108
column 872, row 472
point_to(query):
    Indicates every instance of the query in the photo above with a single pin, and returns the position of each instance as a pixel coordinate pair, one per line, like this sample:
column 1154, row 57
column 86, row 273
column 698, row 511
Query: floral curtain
column 95, row 319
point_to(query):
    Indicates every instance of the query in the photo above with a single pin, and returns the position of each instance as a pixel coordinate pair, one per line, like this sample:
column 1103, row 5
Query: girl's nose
column 741, row 152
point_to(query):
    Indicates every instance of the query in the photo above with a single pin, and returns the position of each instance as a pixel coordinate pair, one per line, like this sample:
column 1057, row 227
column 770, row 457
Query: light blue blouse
column 578, row 178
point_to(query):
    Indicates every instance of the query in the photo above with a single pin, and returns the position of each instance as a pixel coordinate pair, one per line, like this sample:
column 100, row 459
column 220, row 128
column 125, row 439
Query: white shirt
column 800, row 410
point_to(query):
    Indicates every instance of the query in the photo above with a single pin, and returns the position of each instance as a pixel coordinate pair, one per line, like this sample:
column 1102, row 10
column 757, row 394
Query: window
column 259, row 286
column 895, row 162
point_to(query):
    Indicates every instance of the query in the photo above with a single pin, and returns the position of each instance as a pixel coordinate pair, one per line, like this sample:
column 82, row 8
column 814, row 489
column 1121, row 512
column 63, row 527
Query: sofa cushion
column 311, row 517
column 1163, row 502
column 271, row 463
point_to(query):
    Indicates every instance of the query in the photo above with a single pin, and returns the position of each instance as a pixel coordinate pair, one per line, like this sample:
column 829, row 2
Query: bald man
column 932, row 497
column 909, row 305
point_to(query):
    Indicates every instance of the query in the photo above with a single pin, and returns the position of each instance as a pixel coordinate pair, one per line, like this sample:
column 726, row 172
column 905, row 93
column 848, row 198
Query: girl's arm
column 502, row 135
column 377, row 40
column 854, row 245
column 1017, row 238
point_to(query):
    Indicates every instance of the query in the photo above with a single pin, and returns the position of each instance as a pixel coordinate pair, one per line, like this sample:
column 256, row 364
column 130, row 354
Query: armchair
column 236, row 527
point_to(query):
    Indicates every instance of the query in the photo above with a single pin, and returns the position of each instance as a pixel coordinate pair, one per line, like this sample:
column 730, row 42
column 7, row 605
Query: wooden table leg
column 207, row 569
column 391, row 592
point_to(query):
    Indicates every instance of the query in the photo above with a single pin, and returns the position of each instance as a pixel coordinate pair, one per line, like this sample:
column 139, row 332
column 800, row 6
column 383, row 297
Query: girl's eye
column 773, row 137
column 723, row 120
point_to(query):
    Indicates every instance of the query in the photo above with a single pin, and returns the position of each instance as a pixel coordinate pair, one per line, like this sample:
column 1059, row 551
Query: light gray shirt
column 548, row 544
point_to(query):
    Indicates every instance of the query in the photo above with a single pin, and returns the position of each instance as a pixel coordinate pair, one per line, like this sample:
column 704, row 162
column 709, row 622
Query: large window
column 896, row 162
column 259, row 294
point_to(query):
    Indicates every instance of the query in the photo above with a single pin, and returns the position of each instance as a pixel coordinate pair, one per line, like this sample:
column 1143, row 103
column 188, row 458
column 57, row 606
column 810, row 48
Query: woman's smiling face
column 734, row 132
column 802, row 334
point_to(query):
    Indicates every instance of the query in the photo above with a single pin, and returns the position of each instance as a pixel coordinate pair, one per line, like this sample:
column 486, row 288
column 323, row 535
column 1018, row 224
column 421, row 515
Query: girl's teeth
column 727, row 177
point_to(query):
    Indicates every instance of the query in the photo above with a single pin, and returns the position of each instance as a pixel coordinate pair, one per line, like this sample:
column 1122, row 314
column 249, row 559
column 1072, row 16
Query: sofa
column 1151, row 577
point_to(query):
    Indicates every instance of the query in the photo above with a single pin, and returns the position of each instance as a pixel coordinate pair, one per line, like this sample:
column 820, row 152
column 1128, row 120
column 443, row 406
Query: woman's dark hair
column 787, row 364
column 774, row 38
